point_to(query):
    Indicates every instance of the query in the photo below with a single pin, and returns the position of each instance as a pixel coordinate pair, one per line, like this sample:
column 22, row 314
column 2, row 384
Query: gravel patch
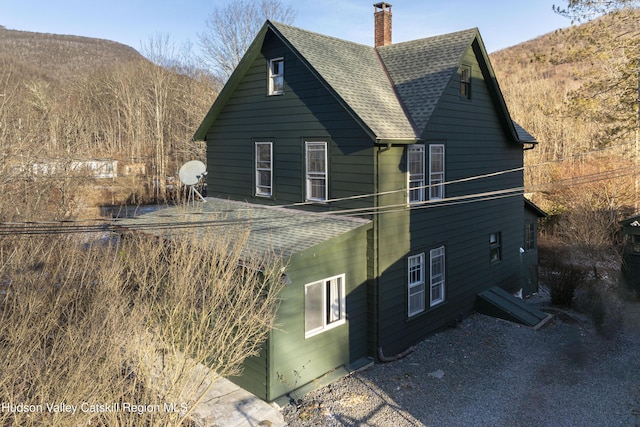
column 490, row 372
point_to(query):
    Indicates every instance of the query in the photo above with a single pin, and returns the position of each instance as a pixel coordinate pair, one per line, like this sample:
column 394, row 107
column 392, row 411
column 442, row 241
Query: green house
column 412, row 138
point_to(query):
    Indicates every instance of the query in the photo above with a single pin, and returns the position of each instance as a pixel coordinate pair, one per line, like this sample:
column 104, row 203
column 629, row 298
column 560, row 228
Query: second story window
column 465, row 82
column 276, row 76
column 316, row 173
column 264, row 169
column 436, row 171
column 415, row 167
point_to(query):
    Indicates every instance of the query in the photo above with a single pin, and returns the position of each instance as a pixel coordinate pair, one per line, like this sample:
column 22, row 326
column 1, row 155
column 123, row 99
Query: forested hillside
column 576, row 90
column 66, row 100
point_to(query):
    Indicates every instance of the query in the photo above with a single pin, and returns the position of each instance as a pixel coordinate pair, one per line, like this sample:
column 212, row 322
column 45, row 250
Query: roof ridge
column 315, row 33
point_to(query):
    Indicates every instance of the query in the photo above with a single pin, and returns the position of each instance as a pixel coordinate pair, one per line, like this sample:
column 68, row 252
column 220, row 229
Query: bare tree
column 580, row 10
column 230, row 30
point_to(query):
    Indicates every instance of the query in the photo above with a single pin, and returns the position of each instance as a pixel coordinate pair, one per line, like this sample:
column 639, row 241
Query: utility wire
column 91, row 226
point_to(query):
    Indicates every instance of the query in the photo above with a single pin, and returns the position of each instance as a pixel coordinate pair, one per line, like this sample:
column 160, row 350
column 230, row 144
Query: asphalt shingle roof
column 422, row 69
column 392, row 90
column 273, row 231
column 355, row 73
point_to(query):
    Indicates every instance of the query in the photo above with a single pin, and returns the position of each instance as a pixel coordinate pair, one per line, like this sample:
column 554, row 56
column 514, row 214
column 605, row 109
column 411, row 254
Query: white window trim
column 259, row 169
column 273, row 76
column 415, row 183
column 415, row 263
column 465, row 82
column 437, row 281
column 495, row 246
column 309, row 176
column 436, row 179
column 343, row 306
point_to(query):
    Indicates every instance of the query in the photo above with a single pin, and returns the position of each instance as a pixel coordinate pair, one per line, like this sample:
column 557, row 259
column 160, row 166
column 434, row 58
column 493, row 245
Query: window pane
column 316, row 158
column 437, row 158
column 278, row 84
column 313, row 307
column 437, row 275
column 416, row 286
column 436, row 171
column 264, row 181
column 276, row 74
column 263, row 153
column 263, row 168
column 316, row 170
column 415, row 167
column 316, row 188
column 416, row 264
column 436, row 293
column 416, row 302
column 334, row 300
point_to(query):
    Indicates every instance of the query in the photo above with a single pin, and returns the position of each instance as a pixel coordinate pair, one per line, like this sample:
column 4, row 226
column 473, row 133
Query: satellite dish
column 191, row 172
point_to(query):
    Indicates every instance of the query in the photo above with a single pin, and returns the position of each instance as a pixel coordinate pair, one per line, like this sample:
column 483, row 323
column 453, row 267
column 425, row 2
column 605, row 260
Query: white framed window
column 495, row 247
column 324, row 305
column 436, row 171
column 276, row 76
column 316, row 171
column 264, row 169
column 415, row 168
column 437, row 275
column 415, row 284
column 465, row 82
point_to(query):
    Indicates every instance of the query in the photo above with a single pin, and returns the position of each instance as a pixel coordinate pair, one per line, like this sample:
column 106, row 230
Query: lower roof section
column 270, row 231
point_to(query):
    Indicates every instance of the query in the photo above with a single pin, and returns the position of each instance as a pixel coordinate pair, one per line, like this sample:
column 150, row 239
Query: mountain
column 60, row 57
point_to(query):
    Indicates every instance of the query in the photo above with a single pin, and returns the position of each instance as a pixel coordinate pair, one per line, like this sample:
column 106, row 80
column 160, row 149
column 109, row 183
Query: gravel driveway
column 490, row 372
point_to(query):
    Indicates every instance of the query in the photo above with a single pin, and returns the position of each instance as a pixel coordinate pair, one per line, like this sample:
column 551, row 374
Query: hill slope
column 59, row 57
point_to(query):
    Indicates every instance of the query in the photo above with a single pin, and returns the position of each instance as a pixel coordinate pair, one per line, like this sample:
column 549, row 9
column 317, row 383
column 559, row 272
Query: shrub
column 563, row 282
column 91, row 323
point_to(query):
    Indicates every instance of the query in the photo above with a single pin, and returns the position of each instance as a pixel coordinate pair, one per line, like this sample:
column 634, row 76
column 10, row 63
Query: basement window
column 276, row 76
column 495, row 248
column 324, row 305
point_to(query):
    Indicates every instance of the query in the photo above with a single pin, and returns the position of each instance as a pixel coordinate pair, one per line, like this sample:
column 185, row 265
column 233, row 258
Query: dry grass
column 109, row 323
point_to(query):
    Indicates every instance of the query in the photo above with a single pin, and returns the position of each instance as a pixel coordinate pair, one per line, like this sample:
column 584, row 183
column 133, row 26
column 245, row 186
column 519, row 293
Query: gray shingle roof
column 273, row 231
column 422, row 69
column 391, row 90
column 355, row 73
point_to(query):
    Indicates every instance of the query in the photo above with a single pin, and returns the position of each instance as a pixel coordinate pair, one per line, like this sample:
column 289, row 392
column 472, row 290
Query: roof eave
column 496, row 92
column 397, row 141
column 234, row 80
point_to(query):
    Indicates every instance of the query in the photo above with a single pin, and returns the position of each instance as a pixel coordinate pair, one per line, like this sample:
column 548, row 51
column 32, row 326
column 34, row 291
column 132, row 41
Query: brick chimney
column 382, row 24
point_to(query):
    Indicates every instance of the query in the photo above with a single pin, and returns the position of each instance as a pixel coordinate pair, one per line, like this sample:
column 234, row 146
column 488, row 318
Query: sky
column 502, row 23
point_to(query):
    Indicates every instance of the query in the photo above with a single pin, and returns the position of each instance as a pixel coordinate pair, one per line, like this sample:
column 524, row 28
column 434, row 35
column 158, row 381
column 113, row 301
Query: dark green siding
column 295, row 361
column 306, row 112
column 475, row 144
column 254, row 374
column 374, row 261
